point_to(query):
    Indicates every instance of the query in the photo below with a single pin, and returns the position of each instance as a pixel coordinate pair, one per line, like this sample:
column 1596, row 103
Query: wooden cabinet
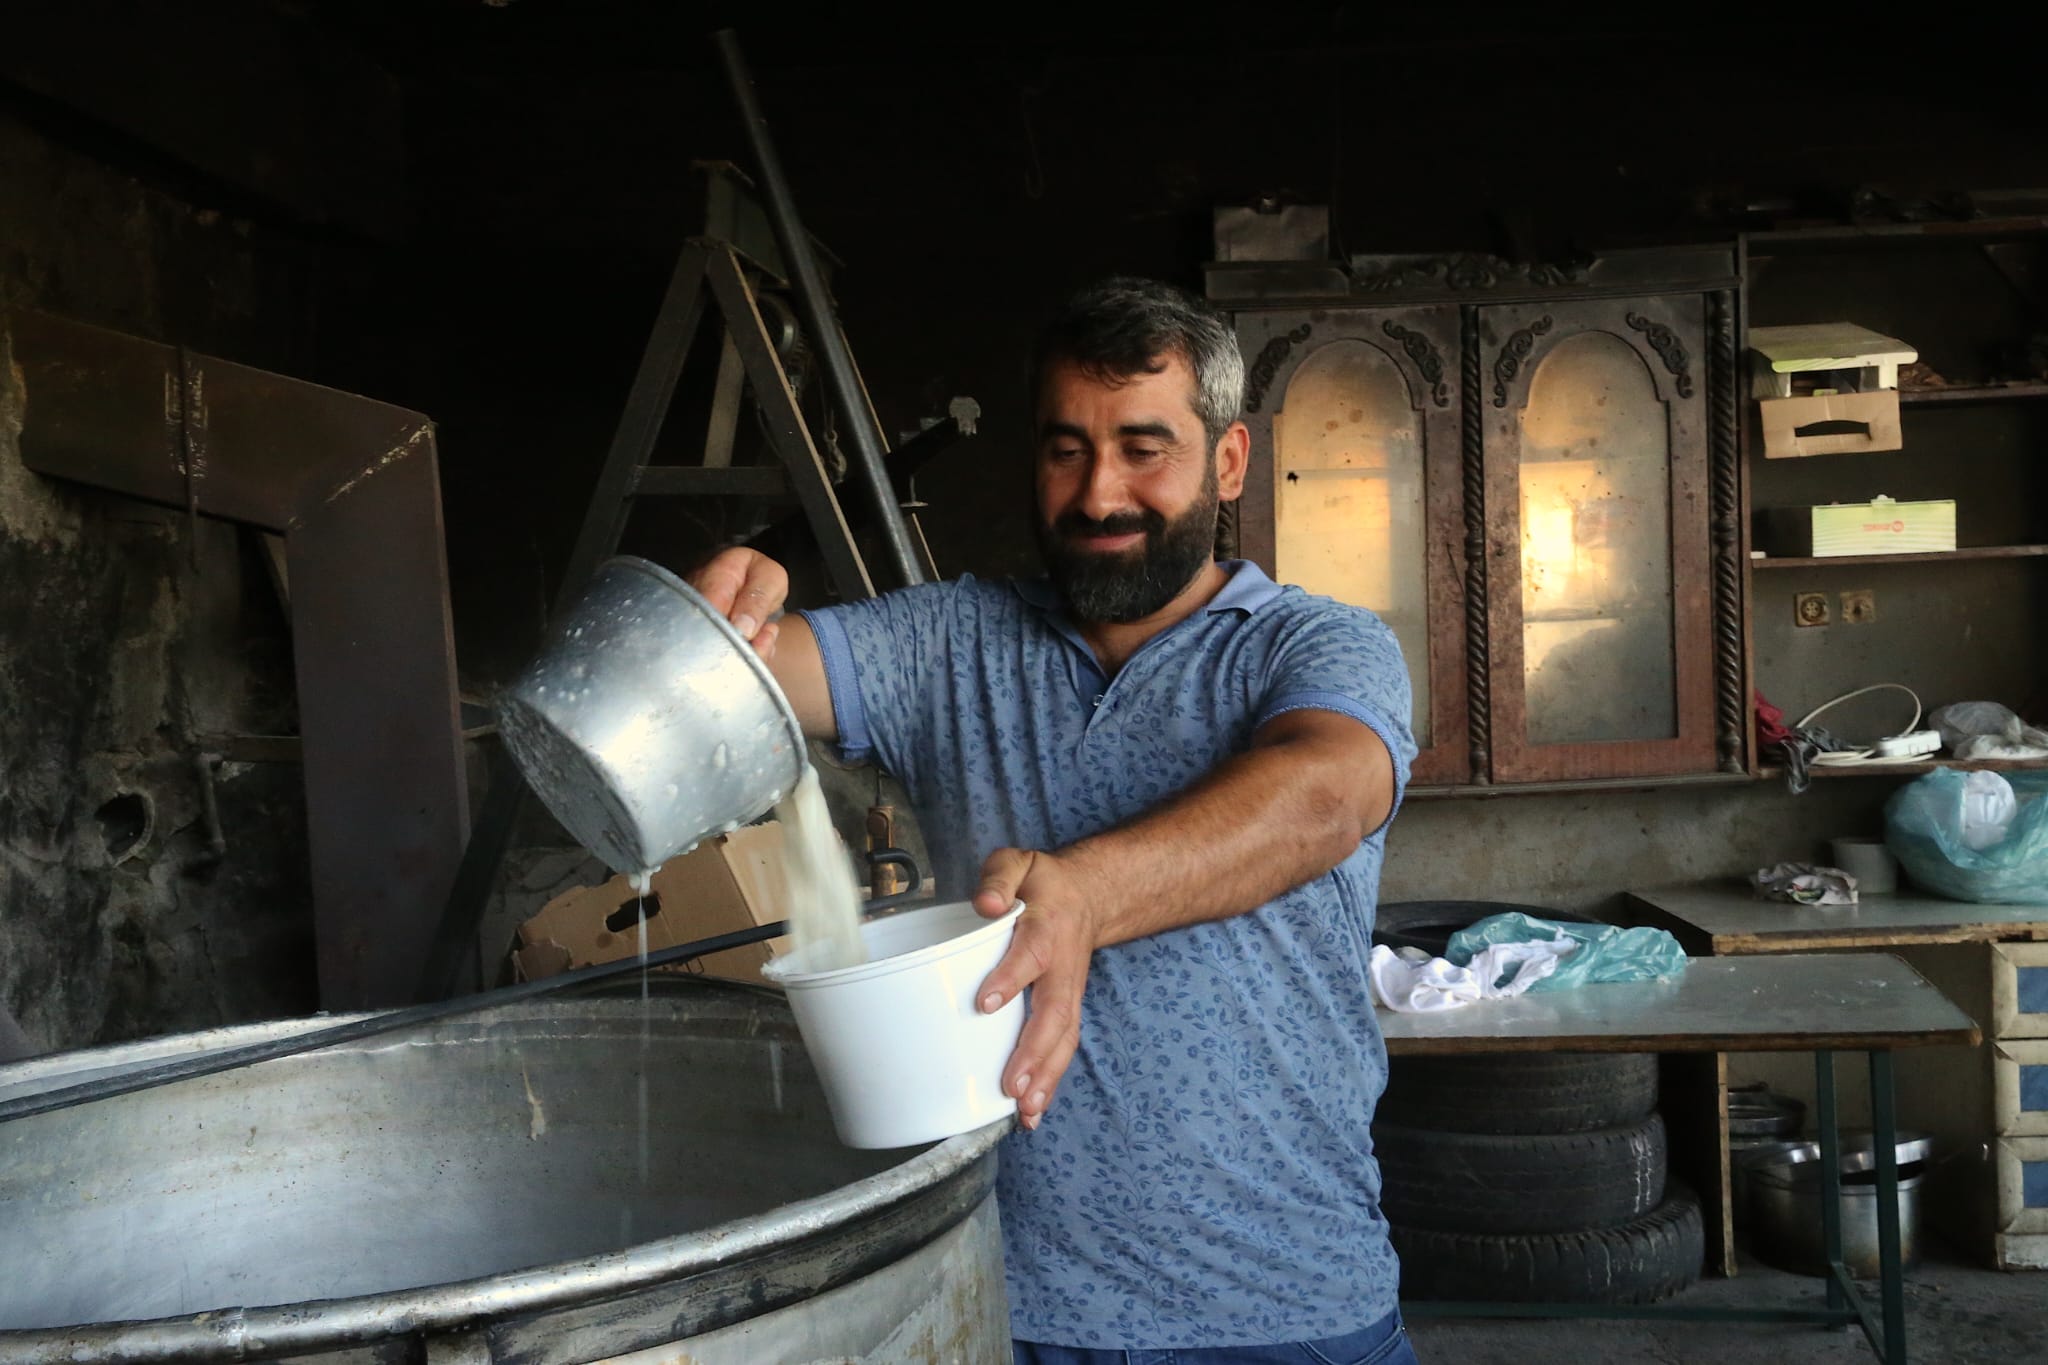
column 1529, row 473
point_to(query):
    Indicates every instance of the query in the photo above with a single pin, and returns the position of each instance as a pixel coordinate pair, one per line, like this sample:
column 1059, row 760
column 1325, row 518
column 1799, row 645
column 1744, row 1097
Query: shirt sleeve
column 882, row 658
column 1345, row 659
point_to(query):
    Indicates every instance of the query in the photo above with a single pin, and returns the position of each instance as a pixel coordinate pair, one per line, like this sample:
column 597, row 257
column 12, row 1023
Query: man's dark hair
column 1124, row 326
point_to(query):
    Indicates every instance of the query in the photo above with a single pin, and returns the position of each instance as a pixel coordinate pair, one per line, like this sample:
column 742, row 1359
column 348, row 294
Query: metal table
column 1797, row 1002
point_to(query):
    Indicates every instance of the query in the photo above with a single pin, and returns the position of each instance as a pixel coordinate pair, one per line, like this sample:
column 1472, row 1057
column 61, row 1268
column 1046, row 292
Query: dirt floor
column 1955, row 1315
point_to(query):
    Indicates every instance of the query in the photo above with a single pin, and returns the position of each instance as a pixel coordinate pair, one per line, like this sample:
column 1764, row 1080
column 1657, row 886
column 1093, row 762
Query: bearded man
column 1185, row 772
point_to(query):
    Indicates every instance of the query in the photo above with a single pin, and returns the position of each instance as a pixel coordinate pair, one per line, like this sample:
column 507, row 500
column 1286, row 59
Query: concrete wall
column 119, row 654
column 1581, row 851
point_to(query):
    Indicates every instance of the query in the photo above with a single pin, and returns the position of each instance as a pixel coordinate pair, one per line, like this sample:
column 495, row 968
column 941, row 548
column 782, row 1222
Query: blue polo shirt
column 1205, row 1174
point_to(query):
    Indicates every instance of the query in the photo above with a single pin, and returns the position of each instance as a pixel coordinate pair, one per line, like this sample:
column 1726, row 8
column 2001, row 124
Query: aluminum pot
column 552, row 1181
column 647, row 724
column 1783, row 1203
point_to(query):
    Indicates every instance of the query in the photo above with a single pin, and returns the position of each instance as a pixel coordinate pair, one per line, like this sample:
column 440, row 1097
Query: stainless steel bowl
column 647, row 724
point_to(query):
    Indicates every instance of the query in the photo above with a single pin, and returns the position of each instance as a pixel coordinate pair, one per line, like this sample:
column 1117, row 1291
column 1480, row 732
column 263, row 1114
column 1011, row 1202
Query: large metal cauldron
column 478, row 1190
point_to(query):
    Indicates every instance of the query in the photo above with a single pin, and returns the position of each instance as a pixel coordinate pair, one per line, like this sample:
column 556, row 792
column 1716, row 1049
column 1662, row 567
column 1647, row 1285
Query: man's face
column 1127, row 488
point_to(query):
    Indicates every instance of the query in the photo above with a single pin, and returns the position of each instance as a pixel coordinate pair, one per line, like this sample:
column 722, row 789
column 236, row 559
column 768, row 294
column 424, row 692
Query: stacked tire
column 1527, row 1177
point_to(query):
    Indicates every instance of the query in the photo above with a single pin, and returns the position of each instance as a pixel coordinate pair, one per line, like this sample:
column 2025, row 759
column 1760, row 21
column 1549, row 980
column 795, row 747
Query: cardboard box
column 725, row 884
column 1831, row 355
column 1871, row 424
column 1881, row 527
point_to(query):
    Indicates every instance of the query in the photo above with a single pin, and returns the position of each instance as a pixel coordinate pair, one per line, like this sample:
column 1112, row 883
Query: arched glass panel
column 1348, row 506
column 1597, row 655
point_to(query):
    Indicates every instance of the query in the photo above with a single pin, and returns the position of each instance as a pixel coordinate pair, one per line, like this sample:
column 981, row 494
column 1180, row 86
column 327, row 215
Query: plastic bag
column 1929, row 823
column 1605, row 954
column 1984, row 729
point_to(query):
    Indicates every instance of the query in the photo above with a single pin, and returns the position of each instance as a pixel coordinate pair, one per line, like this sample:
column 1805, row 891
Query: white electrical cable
column 1842, row 758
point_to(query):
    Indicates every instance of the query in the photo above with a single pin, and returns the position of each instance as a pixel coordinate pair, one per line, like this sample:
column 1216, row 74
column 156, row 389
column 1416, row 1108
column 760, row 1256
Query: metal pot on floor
column 1783, row 1181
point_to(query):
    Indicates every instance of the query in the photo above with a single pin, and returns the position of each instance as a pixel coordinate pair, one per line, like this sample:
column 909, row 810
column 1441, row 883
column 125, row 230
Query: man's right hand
column 748, row 588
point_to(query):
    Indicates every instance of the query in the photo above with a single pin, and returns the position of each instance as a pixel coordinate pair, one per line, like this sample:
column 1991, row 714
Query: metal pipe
column 815, row 309
column 187, row 1068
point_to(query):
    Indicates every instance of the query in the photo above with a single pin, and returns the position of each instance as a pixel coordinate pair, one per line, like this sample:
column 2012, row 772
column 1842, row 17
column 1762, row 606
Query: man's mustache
column 1115, row 524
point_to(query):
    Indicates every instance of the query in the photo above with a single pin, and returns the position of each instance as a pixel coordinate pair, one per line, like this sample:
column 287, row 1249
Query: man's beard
column 1117, row 587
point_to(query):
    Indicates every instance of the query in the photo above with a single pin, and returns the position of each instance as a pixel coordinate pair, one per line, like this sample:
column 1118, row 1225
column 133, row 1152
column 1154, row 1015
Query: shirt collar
column 1246, row 590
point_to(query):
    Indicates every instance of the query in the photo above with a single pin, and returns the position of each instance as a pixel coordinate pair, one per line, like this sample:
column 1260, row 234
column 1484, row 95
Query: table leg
column 1830, row 1174
column 1890, row 1259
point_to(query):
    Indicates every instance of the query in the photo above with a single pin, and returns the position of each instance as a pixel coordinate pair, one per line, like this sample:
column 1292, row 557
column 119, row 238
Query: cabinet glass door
column 1595, row 503
column 1348, row 496
column 1355, row 489
column 1599, row 571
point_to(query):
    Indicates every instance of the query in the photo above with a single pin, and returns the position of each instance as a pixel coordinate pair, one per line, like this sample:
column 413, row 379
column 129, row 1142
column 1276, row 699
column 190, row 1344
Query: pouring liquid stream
column 823, row 901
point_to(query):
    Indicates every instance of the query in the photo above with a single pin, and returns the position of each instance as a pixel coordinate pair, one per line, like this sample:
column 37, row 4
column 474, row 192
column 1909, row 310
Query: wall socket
column 1859, row 607
column 1810, row 608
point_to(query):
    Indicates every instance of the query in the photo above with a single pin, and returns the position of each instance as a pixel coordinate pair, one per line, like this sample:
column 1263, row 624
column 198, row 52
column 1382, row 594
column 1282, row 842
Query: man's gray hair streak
column 1125, row 326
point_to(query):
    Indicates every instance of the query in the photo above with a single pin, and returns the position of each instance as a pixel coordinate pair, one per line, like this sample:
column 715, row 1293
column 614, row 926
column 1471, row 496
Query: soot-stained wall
column 130, row 640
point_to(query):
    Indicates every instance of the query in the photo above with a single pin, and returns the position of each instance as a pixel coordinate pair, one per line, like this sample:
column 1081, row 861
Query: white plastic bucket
column 903, row 1052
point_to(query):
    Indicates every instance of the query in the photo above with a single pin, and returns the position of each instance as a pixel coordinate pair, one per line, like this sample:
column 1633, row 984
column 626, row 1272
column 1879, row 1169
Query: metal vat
column 485, row 1189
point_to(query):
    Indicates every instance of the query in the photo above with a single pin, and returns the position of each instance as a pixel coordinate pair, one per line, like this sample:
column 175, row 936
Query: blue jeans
column 1383, row 1343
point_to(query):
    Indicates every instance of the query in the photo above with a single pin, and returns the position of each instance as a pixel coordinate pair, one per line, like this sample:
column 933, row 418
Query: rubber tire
column 1641, row 1261
column 1520, row 1092
column 1484, row 1183
column 1428, row 925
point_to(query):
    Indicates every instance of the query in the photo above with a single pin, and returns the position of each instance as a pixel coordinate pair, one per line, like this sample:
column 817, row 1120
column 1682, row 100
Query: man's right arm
column 749, row 588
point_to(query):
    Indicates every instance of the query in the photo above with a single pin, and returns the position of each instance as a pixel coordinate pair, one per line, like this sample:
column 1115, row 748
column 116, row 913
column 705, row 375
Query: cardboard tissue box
column 725, row 884
column 1853, row 377
column 1878, row 527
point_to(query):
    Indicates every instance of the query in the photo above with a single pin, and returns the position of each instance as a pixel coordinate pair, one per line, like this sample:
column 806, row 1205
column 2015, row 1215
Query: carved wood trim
column 1272, row 356
column 1426, row 360
column 1724, row 476
column 1669, row 349
column 1471, row 270
column 1512, row 353
column 1478, row 687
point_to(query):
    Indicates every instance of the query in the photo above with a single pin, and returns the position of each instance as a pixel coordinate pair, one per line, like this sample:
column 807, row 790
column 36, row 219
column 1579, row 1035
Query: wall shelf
column 1975, row 393
column 1846, row 561
column 1913, row 767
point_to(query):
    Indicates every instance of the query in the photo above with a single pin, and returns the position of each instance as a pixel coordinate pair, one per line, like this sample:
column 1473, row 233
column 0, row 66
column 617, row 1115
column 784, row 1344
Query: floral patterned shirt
column 1205, row 1175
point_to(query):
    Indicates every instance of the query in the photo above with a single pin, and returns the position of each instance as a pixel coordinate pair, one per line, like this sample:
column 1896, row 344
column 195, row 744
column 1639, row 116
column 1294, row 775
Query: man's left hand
column 1054, row 942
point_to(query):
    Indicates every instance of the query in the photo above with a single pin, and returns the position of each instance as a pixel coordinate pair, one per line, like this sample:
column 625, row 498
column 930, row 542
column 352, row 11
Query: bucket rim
column 903, row 962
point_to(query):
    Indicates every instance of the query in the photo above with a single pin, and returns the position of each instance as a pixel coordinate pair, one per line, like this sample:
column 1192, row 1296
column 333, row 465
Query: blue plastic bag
column 1923, row 826
column 1606, row 952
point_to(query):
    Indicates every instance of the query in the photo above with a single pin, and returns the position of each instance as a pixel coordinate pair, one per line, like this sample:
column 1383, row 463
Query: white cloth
column 1412, row 982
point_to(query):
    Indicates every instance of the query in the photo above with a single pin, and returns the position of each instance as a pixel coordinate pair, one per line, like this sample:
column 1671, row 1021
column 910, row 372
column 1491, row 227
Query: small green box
column 1880, row 527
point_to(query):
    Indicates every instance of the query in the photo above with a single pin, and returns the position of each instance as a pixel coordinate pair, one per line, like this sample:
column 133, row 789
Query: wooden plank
column 1909, row 767
column 1692, row 1095
column 1847, row 561
column 1736, row 922
column 1974, row 393
column 1782, row 1002
column 786, row 430
column 1575, row 784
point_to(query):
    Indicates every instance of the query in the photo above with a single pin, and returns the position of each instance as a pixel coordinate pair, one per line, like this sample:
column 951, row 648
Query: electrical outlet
column 1859, row 607
column 1810, row 608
